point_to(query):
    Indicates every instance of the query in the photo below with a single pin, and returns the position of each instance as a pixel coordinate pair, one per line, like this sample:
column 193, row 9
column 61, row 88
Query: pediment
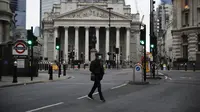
column 92, row 12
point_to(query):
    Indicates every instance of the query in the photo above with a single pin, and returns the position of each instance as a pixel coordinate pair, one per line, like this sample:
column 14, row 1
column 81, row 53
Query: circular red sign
column 20, row 48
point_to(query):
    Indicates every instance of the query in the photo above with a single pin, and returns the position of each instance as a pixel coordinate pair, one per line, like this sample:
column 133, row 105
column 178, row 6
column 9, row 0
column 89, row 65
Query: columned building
column 186, row 30
column 75, row 22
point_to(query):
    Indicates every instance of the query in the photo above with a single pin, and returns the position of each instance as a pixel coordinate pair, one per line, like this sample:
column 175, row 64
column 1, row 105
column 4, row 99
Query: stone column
column 86, row 44
column 66, row 44
column 55, row 52
column 107, row 43
column 127, row 43
column 76, row 43
column 45, row 43
column 118, row 41
column 97, row 35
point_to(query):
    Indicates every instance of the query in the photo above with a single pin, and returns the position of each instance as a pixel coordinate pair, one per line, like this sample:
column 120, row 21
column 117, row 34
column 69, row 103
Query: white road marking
column 183, row 77
column 86, row 96
column 168, row 78
column 45, row 107
column 119, row 86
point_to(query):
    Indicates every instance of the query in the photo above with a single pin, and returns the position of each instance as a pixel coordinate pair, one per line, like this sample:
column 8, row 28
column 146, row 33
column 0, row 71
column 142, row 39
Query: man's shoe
column 103, row 100
column 90, row 97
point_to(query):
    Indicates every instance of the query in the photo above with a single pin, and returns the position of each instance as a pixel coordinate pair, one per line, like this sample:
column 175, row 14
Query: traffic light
column 142, row 36
column 57, row 43
column 152, row 46
column 31, row 38
column 153, row 2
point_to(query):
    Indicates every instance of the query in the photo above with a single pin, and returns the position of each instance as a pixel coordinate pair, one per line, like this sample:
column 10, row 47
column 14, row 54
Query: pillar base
column 92, row 54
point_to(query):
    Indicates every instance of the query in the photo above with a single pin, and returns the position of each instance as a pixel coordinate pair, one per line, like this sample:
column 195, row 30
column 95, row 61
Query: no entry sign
column 20, row 48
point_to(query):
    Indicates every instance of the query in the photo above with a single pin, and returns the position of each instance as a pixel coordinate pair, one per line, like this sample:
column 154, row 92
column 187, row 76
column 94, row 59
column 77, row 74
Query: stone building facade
column 76, row 21
column 186, row 30
column 5, row 21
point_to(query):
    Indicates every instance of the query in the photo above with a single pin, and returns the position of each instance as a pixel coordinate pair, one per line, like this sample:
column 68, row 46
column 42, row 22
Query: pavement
column 7, row 81
column 176, row 92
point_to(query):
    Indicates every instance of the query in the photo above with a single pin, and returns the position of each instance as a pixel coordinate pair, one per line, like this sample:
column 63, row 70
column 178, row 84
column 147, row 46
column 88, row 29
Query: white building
column 47, row 5
column 186, row 31
column 76, row 21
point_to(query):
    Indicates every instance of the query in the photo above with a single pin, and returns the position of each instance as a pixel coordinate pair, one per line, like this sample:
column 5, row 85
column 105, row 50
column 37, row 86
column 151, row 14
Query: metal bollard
column 59, row 70
column 194, row 67
column 50, row 72
column 15, row 72
column 64, row 70
column 185, row 67
column 178, row 66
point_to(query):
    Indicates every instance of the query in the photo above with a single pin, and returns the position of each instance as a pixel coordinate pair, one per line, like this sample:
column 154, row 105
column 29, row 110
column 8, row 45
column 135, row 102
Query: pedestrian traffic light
column 57, row 43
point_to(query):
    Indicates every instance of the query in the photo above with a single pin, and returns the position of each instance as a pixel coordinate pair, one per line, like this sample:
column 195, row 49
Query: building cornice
column 187, row 29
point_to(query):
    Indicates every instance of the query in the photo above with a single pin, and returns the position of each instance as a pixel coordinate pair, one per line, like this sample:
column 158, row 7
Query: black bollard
column 15, row 72
column 50, row 72
column 178, row 66
column 78, row 65
column 194, row 67
column 168, row 67
column 64, row 70
column 59, row 70
column 185, row 66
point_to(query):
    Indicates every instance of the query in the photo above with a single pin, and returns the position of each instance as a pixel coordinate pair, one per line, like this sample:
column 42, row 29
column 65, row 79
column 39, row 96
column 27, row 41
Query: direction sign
column 20, row 48
column 137, row 68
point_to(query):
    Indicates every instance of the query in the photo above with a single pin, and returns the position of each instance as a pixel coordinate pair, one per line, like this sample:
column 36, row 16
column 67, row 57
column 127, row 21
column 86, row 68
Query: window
column 185, row 51
column 186, row 19
column 185, row 39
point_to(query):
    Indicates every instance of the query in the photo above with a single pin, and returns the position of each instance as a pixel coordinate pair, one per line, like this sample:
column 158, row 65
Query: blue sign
column 137, row 68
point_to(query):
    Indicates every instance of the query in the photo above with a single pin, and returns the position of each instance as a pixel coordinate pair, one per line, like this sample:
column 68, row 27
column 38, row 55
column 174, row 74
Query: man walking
column 96, row 67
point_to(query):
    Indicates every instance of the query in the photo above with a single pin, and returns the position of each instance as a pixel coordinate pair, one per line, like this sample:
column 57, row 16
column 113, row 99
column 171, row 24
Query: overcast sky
column 32, row 18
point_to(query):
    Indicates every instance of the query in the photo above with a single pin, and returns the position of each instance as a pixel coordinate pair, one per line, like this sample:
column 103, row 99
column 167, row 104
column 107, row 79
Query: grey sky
column 143, row 8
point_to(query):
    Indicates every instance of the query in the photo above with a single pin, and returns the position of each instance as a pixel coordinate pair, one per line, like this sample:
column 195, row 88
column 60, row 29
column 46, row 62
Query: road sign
column 20, row 48
column 137, row 73
column 137, row 68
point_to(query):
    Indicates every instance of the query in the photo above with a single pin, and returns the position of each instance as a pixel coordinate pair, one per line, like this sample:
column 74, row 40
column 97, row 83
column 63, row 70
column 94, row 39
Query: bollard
column 15, row 72
column 194, row 68
column 79, row 65
column 185, row 66
column 168, row 67
column 64, row 70
column 50, row 72
column 178, row 66
column 59, row 70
